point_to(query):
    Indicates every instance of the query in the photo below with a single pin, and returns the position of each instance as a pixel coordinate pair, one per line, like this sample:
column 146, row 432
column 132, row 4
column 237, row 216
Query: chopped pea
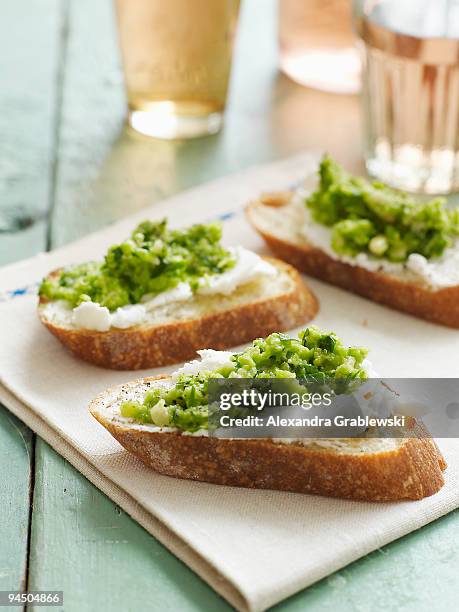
column 154, row 259
column 378, row 245
column 370, row 217
column 317, row 354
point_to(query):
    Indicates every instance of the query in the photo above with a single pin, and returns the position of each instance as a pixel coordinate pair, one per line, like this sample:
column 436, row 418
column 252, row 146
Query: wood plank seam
column 31, row 462
column 25, row 581
column 59, row 95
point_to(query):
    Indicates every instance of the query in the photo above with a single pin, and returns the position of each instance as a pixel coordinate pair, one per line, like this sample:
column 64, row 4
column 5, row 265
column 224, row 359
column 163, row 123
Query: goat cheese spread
column 209, row 360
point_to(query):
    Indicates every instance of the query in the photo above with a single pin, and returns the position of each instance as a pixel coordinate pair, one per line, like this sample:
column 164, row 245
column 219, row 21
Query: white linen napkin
column 253, row 547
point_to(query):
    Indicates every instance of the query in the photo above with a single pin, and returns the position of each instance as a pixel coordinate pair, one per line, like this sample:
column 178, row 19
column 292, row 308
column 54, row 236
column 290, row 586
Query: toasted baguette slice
column 278, row 220
column 178, row 330
column 365, row 469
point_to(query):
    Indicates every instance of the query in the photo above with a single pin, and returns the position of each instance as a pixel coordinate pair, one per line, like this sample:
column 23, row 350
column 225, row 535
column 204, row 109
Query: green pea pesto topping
column 370, row 217
column 154, row 259
column 314, row 354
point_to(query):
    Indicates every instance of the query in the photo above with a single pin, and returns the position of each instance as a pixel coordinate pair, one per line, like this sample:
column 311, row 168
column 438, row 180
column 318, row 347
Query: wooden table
column 68, row 167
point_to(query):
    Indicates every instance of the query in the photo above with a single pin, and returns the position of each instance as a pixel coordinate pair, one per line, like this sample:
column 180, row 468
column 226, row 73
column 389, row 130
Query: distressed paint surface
column 30, row 33
column 80, row 541
column 29, row 66
column 16, row 448
column 86, row 546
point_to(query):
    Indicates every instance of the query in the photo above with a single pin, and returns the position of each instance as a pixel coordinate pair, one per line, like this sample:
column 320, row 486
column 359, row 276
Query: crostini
column 369, row 239
column 163, row 294
column 165, row 422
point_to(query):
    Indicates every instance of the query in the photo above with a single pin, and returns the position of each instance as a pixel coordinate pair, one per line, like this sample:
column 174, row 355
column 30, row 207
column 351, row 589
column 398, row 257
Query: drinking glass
column 317, row 44
column 177, row 61
column 410, row 92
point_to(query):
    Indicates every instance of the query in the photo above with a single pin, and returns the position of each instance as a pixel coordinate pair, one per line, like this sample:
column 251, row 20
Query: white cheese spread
column 247, row 268
column 210, row 360
column 90, row 315
column 181, row 293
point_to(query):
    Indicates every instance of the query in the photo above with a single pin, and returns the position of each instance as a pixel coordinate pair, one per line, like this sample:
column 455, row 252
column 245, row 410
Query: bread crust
column 412, row 471
column 152, row 346
column 440, row 306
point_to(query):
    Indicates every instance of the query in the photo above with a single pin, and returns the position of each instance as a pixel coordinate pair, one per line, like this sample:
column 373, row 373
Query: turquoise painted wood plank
column 29, row 60
column 16, row 448
column 86, row 546
column 29, row 66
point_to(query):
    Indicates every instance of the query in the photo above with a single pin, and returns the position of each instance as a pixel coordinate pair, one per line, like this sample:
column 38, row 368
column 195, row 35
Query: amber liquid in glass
column 177, row 62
